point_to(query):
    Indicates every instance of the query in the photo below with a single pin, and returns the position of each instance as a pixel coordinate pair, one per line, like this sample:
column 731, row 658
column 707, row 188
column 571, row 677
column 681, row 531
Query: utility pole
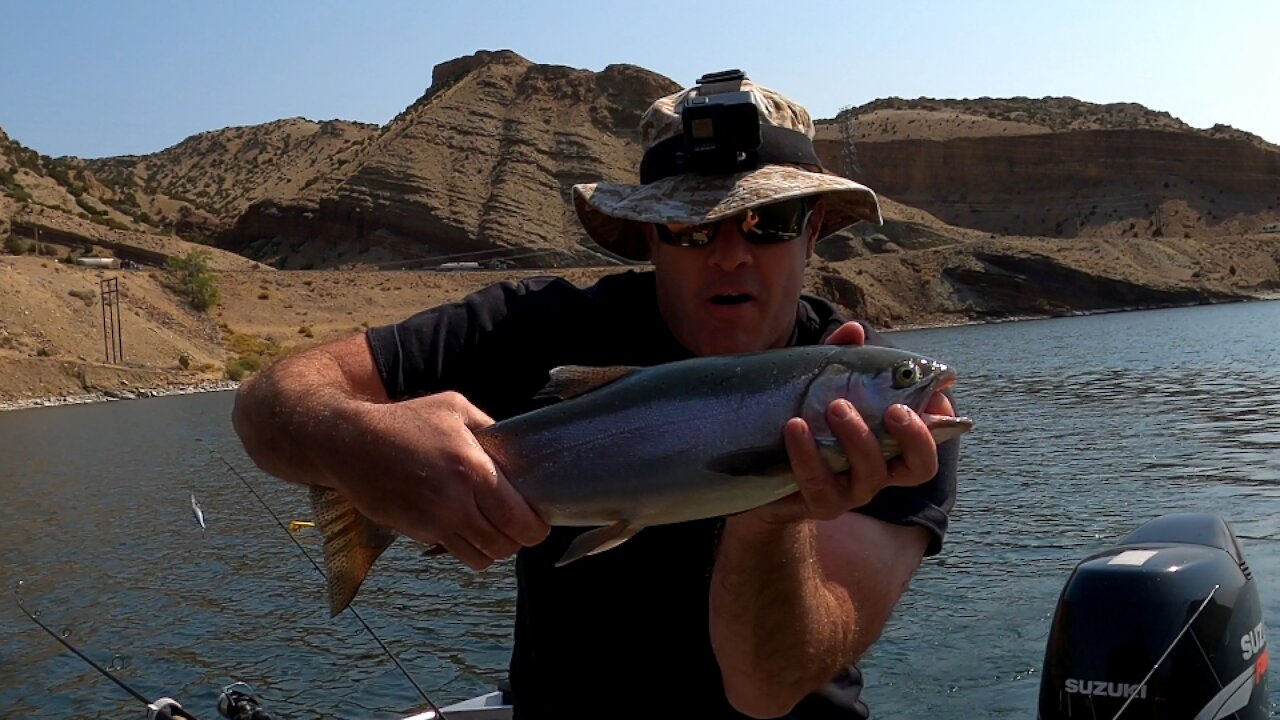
column 850, row 153
column 112, row 338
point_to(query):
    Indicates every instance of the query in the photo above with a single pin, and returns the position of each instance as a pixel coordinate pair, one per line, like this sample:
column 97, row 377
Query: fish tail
column 352, row 542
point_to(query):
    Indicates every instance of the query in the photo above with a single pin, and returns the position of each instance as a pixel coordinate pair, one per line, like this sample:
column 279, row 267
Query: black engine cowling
column 1124, row 608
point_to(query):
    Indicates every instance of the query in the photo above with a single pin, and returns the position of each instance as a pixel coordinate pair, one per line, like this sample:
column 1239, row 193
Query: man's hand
column 825, row 495
column 322, row 416
column 433, row 482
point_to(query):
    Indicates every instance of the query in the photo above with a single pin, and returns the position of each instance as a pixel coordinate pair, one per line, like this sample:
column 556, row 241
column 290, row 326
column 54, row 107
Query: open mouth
column 730, row 299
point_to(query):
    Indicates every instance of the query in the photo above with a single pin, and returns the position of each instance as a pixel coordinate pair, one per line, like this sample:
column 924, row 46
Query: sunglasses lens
column 687, row 235
column 778, row 222
column 773, row 223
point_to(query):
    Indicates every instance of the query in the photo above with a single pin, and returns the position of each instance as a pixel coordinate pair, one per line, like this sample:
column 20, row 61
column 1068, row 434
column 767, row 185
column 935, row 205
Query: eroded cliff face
column 1081, row 183
column 479, row 168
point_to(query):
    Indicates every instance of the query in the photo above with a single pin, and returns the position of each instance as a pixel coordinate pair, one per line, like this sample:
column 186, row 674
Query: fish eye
column 906, row 375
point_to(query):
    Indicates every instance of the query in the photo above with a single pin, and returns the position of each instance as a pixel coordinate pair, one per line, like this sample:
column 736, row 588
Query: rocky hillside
column 1059, row 167
column 478, row 168
column 934, row 119
column 206, row 181
column 62, row 208
column 30, row 180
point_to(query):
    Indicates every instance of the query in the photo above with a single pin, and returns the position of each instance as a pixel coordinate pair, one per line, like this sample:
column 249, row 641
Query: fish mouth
column 945, row 427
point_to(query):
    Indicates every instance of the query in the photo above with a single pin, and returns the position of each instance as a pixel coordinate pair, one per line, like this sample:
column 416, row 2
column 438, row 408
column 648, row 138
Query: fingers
column 456, row 498
column 469, row 554
column 493, row 519
column 862, row 447
column 850, row 333
column 472, row 417
column 919, row 459
column 507, row 510
column 813, row 476
column 824, row 494
column 939, row 404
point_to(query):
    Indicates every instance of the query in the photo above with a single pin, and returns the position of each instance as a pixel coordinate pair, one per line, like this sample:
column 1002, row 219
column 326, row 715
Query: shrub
column 89, row 207
column 190, row 277
column 15, row 245
column 244, row 365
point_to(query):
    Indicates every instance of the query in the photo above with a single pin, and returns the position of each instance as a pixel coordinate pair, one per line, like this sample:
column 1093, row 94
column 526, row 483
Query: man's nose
column 730, row 248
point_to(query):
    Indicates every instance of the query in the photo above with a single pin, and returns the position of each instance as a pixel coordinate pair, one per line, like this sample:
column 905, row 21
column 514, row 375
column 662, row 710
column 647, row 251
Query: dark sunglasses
column 778, row 222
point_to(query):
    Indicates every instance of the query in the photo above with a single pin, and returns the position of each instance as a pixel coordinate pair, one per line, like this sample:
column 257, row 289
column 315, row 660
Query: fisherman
column 762, row 614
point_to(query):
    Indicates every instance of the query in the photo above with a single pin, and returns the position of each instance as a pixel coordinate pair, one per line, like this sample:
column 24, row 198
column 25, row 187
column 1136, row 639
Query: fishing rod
column 162, row 709
column 430, row 703
column 235, row 702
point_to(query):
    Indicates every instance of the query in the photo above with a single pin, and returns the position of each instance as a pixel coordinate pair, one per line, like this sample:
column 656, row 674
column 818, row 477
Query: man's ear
column 815, row 225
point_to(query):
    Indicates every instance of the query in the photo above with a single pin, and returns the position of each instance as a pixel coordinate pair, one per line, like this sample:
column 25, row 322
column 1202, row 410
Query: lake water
column 1087, row 427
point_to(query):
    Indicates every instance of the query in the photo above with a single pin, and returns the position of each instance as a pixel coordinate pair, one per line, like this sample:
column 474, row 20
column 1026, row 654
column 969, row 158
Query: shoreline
column 224, row 385
column 116, row 395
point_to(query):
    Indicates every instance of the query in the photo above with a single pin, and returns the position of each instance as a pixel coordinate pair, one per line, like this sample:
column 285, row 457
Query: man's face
column 732, row 296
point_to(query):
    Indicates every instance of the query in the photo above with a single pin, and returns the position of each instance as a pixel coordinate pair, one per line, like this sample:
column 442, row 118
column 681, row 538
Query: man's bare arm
column 295, row 417
column 796, row 603
column 802, row 587
column 322, row 417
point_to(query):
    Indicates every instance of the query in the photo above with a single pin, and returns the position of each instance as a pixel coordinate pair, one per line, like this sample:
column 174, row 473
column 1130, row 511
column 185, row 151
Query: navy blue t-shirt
column 624, row 633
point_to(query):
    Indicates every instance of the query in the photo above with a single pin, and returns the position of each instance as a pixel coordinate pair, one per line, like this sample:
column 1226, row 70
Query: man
column 761, row 614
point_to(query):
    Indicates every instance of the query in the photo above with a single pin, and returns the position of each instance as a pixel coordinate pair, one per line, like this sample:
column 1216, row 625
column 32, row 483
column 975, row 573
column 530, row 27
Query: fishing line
column 440, row 714
column 164, row 704
column 1167, row 650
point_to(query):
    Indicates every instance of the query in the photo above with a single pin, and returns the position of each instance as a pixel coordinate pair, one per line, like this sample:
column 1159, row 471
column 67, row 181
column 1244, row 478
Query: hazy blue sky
column 110, row 78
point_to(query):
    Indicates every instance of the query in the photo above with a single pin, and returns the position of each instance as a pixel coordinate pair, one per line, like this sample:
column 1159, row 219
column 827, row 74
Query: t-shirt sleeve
column 483, row 346
column 927, row 505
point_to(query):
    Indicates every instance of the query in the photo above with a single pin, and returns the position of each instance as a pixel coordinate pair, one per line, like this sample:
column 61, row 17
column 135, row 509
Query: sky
column 97, row 79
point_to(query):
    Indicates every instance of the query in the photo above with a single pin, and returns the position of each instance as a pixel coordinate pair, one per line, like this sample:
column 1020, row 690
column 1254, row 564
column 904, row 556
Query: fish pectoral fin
column 352, row 542
column 569, row 381
column 598, row 540
column 768, row 461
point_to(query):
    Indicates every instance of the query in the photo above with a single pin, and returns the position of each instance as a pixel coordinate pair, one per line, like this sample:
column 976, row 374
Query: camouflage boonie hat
column 614, row 214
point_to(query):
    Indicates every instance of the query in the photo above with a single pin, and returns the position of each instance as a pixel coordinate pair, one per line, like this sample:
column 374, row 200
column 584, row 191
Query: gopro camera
column 721, row 124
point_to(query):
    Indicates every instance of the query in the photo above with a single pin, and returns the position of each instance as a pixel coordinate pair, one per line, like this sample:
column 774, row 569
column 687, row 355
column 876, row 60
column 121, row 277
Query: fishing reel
column 167, row 709
column 237, row 702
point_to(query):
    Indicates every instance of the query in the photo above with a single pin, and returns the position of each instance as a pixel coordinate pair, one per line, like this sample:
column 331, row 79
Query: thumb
column 850, row 333
column 473, row 417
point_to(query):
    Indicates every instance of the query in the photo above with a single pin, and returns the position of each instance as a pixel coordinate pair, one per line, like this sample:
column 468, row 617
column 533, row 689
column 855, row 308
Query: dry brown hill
column 478, row 168
column 207, row 180
column 31, row 180
column 1058, row 167
column 944, row 119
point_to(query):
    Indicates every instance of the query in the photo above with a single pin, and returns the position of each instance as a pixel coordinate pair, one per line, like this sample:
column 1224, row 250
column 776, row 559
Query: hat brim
column 614, row 214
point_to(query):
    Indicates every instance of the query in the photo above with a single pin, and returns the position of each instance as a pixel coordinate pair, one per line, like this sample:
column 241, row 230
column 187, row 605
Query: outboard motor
column 1176, row 595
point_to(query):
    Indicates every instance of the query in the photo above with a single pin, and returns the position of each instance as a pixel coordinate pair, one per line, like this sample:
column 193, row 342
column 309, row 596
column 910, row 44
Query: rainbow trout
column 628, row 447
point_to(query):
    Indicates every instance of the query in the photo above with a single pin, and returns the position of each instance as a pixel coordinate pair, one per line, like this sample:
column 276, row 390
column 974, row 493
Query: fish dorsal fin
column 598, row 540
column 352, row 542
column 569, row 381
